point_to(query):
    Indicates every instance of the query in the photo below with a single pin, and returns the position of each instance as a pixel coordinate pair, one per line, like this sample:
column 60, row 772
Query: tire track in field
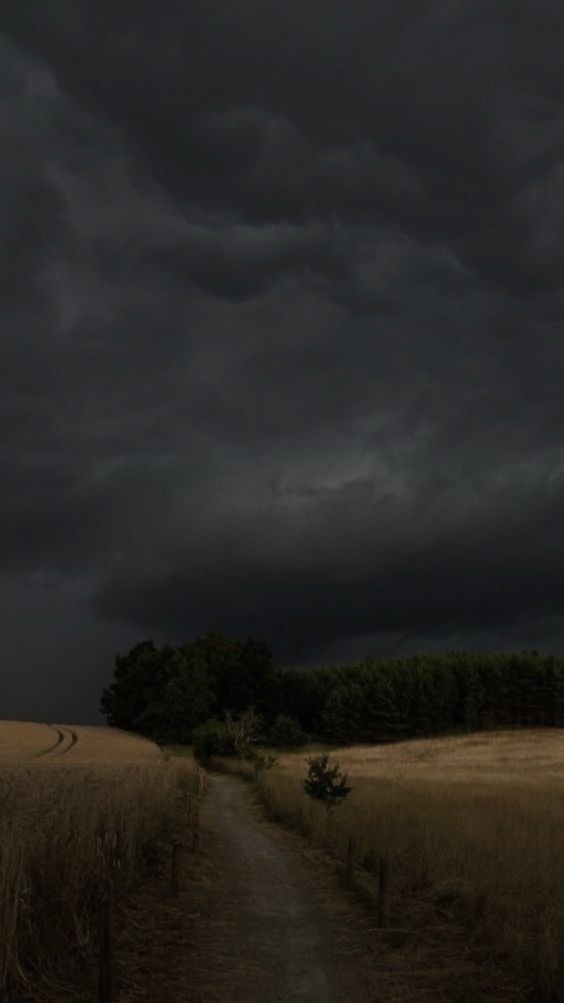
column 71, row 738
column 66, row 739
column 51, row 748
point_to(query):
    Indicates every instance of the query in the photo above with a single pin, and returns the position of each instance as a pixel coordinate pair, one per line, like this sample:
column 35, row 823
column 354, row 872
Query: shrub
column 243, row 732
column 286, row 731
column 213, row 738
column 262, row 762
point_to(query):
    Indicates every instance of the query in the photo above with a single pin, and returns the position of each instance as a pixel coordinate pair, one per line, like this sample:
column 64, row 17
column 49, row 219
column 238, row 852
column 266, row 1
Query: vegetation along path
column 267, row 925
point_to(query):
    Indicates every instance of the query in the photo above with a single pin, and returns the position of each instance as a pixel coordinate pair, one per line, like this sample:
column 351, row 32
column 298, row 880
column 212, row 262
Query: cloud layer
column 282, row 318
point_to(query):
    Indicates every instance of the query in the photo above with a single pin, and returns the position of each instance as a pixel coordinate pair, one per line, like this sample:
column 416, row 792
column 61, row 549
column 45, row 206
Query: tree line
column 166, row 693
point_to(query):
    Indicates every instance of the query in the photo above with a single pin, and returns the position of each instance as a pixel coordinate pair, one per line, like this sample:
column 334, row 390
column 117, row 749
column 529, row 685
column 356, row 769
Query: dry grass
column 474, row 830
column 73, row 827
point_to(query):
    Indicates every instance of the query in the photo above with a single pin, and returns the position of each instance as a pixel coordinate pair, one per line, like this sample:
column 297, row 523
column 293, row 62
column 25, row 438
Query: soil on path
column 265, row 928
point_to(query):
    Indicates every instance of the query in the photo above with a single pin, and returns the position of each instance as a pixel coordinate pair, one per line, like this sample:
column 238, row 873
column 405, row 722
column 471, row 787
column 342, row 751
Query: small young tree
column 326, row 783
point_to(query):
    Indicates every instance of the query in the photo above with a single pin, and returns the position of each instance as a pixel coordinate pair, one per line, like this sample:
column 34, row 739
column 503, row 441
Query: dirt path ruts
column 265, row 929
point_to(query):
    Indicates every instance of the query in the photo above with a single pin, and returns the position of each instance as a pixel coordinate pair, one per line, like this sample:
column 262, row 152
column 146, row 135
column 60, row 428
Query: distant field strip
column 27, row 739
column 24, row 740
column 91, row 744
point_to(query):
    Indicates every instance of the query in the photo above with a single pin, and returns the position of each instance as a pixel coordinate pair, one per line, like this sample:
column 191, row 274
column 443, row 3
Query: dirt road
column 265, row 927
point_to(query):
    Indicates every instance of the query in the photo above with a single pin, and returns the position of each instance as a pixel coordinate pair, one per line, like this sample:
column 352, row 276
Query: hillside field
column 25, row 741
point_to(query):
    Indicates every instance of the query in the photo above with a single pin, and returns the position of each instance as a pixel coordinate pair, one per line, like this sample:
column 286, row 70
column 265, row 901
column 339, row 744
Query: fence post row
column 176, row 868
column 196, row 829
column 106, row 910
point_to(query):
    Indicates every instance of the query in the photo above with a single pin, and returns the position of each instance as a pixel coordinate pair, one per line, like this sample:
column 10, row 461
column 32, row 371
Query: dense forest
column 166, row 693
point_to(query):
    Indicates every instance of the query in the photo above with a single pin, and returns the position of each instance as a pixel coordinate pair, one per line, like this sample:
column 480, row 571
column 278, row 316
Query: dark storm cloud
column 282, row 316
column 411, row 562
column 446, row 116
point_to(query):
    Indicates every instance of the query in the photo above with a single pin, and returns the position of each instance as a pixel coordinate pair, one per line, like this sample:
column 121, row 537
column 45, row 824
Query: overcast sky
column 281, row 331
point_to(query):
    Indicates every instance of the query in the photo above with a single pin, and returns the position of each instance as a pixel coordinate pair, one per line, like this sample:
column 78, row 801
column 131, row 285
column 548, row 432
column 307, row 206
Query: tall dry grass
column 473, row 828
column 71, row 832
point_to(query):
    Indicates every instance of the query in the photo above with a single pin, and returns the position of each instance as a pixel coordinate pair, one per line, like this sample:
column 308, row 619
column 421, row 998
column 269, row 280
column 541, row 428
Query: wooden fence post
column 350, row 863
column 176, row 868
column 106, row 939
column 196, row 829
column 383, row 891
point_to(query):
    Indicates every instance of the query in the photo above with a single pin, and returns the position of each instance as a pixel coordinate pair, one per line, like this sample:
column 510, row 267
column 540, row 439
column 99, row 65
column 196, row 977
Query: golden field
column 473, row 829
column 82, row 816
column 26, row 740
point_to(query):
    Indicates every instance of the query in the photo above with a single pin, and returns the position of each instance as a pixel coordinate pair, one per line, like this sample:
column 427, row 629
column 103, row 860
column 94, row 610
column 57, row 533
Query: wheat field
column 25, row 739
column 84, row 812
column 473, row 829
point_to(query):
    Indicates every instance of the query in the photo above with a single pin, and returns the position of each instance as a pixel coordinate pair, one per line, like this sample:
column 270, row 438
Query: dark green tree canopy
column 167, row 693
